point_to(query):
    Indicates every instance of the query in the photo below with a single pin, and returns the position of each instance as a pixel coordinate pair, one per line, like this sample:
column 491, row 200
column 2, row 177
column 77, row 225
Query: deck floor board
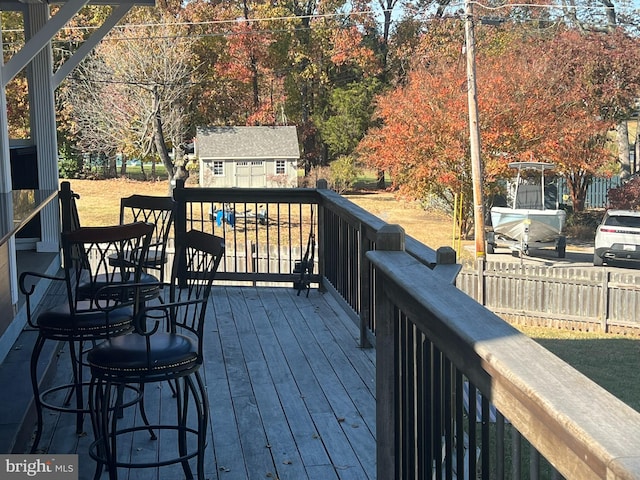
column 291, row 395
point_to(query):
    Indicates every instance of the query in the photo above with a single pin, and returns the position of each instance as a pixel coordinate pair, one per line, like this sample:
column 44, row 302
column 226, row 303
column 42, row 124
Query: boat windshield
column 532, row 192
column 530, row 197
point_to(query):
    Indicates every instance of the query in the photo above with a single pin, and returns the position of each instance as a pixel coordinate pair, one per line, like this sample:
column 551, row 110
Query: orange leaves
column 551, row 99
column 348, row 49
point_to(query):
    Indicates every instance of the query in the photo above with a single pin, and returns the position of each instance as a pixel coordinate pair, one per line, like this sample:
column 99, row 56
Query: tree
column 550, row 107
column 279, row 64
column 600, row 71
column 129, row 96
column 17, row 89
column 626, row 196
column 350, row 115
column 237, row 61
column 343, row 173
column 423, row 142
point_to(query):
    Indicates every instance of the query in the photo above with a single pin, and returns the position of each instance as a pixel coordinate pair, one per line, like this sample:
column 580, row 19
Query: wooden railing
column 266, row 232
column 458, row 391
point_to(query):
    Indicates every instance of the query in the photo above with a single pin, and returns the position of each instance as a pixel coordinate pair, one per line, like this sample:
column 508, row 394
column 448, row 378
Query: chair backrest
column 99, row 257
column 193, row 271
column 160, row 212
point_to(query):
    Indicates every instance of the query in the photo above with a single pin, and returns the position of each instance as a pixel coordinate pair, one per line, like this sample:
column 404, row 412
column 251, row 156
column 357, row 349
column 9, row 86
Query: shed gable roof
column 247, row 142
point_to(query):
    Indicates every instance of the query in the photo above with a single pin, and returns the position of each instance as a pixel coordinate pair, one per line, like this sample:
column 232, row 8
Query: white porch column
column 43, row 125
column 5, row 165
column 8, row 250
column 6, row 215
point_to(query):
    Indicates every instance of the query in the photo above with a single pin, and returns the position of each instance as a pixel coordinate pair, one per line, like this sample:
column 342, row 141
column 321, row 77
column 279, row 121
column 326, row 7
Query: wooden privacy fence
column 584, row 298
column 597, row 191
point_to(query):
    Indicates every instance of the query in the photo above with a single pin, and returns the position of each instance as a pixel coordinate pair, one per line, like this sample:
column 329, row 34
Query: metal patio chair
column 98, row 305
column 166, row 346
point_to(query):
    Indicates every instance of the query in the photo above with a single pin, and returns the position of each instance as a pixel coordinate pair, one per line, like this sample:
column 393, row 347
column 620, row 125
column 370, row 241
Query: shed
column 259, row 157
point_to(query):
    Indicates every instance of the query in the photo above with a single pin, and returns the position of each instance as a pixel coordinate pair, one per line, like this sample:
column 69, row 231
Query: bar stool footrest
column 70, row 388
column 93, row 448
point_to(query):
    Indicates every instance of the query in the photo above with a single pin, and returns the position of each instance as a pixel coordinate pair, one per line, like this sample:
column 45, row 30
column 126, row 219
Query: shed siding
column 248, row 174
column 249, row 156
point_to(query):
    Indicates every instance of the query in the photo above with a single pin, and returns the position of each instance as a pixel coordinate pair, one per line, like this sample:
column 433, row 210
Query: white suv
column 618, row 237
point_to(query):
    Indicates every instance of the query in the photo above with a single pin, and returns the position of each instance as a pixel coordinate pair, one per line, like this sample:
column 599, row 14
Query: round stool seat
column 96, row 288
column 131, row 358
column 59, row 322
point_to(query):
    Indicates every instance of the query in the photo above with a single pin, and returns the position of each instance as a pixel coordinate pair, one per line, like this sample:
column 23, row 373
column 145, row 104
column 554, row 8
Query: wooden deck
column 291, row 394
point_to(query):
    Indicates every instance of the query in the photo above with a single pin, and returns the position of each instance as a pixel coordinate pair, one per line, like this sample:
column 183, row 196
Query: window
column 218, row 168
column 280, row 167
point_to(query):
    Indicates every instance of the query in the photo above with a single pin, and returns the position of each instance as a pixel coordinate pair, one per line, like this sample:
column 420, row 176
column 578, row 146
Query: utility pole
column 474, row 133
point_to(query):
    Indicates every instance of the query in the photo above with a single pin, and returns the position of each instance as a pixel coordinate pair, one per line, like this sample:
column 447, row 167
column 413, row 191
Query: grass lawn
column 611, row 361
column 99, row 202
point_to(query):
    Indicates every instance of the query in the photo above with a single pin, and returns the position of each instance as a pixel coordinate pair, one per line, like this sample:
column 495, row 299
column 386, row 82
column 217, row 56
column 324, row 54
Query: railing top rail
column 583, row 430
column 359, row 217
column 349, row 211
column 258, row 195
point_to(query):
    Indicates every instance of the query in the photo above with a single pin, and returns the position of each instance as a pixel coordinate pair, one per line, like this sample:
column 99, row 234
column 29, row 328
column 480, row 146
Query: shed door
column 251, row 174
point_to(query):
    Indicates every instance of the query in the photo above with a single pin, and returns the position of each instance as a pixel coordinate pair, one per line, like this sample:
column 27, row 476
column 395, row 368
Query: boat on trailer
column 534, row 220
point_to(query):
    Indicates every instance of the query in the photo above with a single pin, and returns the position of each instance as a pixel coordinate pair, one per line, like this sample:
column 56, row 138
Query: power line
column 539, row 5
column 235, row 21
column 238, row 21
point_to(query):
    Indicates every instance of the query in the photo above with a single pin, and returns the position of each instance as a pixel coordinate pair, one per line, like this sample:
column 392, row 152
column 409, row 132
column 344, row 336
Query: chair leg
column 202, row 405
column 143, row 412
column 76, row 366
column 35, row 356
column 95, row 396
column 103, row 394
column 182, row 410
column 104, row 420
column 74, row 389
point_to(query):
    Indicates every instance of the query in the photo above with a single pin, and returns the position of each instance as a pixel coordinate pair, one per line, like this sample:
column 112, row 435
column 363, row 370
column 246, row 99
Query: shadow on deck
column 291, row 394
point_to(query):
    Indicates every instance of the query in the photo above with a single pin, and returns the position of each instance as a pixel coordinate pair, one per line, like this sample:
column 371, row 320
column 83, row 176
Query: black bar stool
column 98, row 306
column 160, row 212
column 166, row 346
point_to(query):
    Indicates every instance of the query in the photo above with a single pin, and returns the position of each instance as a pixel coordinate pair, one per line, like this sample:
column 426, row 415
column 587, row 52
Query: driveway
column 576, row 256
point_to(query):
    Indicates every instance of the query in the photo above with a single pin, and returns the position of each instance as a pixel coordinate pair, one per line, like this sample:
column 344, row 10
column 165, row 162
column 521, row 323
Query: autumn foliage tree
column 598, row 75
column 17, row 88
column 274, row 63
column 535, row 103
column 626, row 196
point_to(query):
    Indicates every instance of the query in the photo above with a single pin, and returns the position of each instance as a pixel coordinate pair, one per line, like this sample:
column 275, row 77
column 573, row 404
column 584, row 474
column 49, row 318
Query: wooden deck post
column 321, row 184
column 389, row 237
column 69, row 211
column 180, row 223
